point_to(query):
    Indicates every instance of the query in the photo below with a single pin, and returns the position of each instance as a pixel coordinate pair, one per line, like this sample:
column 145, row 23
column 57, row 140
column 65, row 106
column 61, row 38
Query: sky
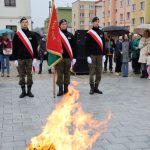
column 40, row 10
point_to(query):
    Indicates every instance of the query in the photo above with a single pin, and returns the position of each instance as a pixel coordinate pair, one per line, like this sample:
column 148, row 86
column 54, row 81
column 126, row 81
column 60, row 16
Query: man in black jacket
column 68, row 58
column 95, row 43
column 25, row 54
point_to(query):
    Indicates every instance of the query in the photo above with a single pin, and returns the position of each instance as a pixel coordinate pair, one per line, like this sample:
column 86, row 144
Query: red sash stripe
column 25, row 44
column 96, row 39
column 66, row 43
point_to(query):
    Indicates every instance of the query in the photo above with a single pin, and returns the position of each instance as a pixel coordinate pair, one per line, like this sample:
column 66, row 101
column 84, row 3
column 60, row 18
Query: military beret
column 22, row 19
column 95, row 19
column 62, row 21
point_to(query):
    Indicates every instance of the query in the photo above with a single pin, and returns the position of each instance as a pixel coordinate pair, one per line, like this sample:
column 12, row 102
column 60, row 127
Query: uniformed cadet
column 95, row 42
column 25, row 54
column 68, row 58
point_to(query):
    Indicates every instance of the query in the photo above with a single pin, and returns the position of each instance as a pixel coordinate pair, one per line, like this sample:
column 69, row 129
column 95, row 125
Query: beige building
column 114, row 12
column 11, row 11
column 82, row 14
column 140, row 13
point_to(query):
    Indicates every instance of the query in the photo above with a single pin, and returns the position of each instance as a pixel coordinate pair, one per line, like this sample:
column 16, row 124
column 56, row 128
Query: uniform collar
column 64, row 31
column 25, row 30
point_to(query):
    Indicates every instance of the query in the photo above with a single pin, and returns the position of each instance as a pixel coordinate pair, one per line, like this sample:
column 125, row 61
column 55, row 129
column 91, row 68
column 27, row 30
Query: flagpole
column 54, row 83
column 54, row 74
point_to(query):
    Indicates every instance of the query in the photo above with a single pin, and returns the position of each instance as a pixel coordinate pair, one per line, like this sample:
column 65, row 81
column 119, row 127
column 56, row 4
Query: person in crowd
column 5, row 52
column 135, row 53
column 148, row 60
column 109, row 46
column 42, row 52
column 118, row 56
column 143, row 45
column 125, row 55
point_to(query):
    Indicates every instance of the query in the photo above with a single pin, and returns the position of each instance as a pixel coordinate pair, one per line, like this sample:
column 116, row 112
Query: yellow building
column 140, row 13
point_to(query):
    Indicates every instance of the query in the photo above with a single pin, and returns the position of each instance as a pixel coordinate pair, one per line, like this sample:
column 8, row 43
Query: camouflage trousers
column 95, row 69
column 63, row 71
column 25, row 69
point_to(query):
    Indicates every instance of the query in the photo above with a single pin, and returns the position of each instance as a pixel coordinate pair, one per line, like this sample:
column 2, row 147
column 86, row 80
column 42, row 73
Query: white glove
column 104, row 58
column 89, row 60
column 16, row 63
column 34, row 62
column 73, row 62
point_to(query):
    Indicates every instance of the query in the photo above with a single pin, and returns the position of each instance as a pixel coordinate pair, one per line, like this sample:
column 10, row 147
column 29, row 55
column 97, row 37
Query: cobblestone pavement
column 127, row 98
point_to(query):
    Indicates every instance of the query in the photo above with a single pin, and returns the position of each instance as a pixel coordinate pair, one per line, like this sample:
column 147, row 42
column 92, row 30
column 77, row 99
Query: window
column 121, row 3
column 134, row 7
column 103, row 3
column 109, row 13
column 81, row 15
column 128, row 15
column 81, row 22
column 121, row 17
column 10, row 3
column 74, row 15
column 91, row 15
column 90, row 23
column 128, row 2
column 91, row 7
column 81, row 6
column 109, row 1
column 133, row 21
column 142, row 5
column 103, row 24
column 103, row 14
column 142, row 20
column 108, row 23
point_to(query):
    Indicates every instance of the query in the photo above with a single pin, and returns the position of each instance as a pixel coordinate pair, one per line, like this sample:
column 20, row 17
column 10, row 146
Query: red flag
column 54, row 45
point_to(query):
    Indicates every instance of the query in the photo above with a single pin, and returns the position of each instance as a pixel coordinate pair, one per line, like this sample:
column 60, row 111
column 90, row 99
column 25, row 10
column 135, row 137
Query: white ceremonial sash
column 26, row 42
column 66, row 43
column 97, row 38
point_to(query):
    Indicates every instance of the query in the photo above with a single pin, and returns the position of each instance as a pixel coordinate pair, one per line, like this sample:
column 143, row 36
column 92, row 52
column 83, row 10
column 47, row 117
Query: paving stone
column 126, row 98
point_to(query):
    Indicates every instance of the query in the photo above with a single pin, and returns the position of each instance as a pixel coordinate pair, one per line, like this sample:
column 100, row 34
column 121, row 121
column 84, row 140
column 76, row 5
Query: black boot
column 29, row 93
column 142, row 76
column 23, row 94
column 60, row 92
column 96, row 90
column 92, row 89
column 65, row 88
column 40, row 68
column 145, row 74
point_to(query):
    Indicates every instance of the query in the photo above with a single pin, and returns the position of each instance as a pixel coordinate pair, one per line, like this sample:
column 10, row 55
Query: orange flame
column 69, row 127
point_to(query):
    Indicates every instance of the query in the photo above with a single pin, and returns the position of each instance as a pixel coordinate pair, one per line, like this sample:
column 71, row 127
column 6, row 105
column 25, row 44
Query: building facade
column 82, row 14
column 140, row 13
column 114, row 12
column 65, row 13
column 11, row 11
column 62, row 13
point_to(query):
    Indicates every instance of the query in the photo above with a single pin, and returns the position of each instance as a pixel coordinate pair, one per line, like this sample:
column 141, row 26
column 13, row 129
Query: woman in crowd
column 5, row 52
column 125, row 55
column 118, row 56
column 109, row 46
column 135, row 54
column 143, row 45
column 148, row 60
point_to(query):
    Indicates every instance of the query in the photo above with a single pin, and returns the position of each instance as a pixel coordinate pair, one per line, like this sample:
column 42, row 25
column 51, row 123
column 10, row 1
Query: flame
column 69, row 127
